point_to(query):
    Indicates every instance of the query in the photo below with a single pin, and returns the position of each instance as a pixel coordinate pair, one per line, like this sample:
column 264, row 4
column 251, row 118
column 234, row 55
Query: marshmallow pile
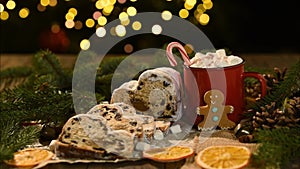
column 215, row 60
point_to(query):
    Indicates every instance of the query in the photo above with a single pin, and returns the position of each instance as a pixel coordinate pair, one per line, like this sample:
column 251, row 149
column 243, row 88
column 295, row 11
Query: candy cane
column 182, row 51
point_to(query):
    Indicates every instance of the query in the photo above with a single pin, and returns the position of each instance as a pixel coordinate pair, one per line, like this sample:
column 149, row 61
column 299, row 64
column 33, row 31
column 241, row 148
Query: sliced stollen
column 127, row 109
column 158, row 93
column 121, row 94
column 91, row 133
column 121, row 116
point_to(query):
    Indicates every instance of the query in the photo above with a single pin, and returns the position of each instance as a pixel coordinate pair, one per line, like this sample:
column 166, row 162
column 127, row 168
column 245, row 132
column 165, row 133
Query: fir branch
column 46, row 104
column 285, row 89
column 45, row 62
column 109, row 65
column 14, row 137
column 13, row 77
column 278, row 147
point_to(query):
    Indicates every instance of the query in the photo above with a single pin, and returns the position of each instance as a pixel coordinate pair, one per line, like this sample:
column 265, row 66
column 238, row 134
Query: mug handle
column 261, row 80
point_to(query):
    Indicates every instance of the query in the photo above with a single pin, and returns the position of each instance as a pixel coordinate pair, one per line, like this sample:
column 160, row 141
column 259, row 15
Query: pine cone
column 293, row 107
column 275, row 78
column 271, row 117
column 253, row 89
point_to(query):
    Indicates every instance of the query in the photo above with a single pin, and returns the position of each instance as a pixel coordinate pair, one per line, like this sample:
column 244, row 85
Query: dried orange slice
column 169, row 154
column 29, row 157
column 223, row 157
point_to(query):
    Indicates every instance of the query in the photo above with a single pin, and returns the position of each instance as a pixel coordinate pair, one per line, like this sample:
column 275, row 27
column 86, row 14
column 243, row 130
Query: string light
column 136, row 25
column 102, row 20
column 90, row 23
column 10, row 4
column 120, row 30
column 4, row 15
column 131, row 11
column 85, row 44
column 100, row 32
column 204, row 19
column 183, row 13
column 166, row 15
column 24, row 12
column 45, row 2
column 105, row 8
column 1, row 7
column 156, row 29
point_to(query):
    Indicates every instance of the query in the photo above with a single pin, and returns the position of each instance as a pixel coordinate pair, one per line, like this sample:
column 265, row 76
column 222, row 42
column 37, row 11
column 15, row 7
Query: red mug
column 225, row 84
column 229, row 80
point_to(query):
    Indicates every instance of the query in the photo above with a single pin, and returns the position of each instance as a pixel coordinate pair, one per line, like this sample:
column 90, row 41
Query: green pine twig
column 285, row 89
column 13, row 137
column 278, row 147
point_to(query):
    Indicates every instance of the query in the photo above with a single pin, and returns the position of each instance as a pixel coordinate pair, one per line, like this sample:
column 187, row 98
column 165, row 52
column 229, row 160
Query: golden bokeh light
column 191, row 2
column 90, row 23
column 73, row 11
column 100, row 32
column 112, row 2
column 189, row 48
column 24, row 12
column 183, row 13
column 78, row 25
column 136, row 25
column 102, row 20
column 208, row 5
column 125, row 22
column 128, row 48
column 112, row 31
column 133, row 0
column 1, row 7
column 120, row 30
column 45, row 2
column 123, row 16
column 204, row 19
column 41, row 8
column 131, row 11
column 55, row 28
column 200, row 8
column 156, row 29
column 107, row 10
column 188, row 7
column 85, row 44
column 96, row 15
column 206, row 1
column 4, row 15
column 121, row 1
column 70, row 16
column 69, row 24
column 166, row 15
column 52, row 3
column 11, row 4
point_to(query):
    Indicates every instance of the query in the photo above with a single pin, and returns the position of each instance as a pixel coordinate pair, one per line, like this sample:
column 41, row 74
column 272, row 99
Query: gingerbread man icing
column 215, row 113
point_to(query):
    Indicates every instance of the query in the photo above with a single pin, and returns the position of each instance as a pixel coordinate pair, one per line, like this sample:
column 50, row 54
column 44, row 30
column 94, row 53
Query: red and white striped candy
column 182, row 51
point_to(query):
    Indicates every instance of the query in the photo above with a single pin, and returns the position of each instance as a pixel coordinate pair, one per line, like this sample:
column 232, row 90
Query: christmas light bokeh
column 102, row 12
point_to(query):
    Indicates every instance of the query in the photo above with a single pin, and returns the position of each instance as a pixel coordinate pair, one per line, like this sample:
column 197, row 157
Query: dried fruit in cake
column 223, row 157
column 29, row 157
column 169, row 154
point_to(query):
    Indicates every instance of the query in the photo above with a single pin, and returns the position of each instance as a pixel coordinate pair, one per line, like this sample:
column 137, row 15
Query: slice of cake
column 157, row 93
column 89, row 134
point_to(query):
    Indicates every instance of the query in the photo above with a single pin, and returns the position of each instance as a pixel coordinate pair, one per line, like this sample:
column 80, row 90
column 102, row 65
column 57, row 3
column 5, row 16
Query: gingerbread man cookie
column 215, row 113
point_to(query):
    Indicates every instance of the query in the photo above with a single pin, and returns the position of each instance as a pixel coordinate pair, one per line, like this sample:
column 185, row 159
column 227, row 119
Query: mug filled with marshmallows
column 216, row 82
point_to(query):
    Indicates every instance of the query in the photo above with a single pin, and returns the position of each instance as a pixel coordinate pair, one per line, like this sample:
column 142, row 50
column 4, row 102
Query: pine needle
column 279, row 147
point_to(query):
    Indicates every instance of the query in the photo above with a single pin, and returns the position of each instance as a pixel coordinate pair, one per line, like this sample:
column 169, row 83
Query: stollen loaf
column 121, row 94
column 91, row 134
column 157, row 93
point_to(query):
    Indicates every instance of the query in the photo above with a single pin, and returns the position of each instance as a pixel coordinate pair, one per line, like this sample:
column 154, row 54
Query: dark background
column 242, row 26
